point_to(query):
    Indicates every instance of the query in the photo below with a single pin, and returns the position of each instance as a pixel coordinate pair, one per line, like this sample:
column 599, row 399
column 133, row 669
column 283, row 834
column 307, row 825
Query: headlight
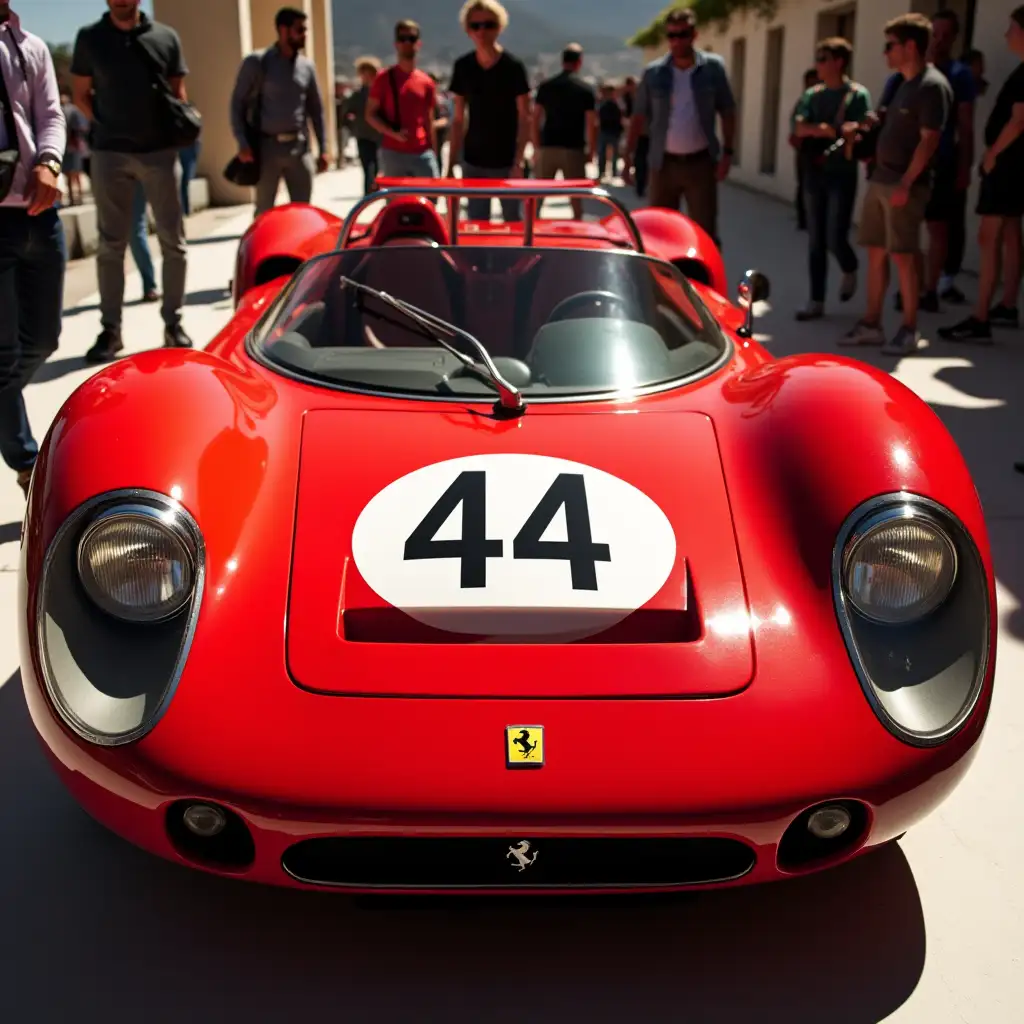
column 899, row 566
column 117, row 606
column 135, row 564
column 913, row 603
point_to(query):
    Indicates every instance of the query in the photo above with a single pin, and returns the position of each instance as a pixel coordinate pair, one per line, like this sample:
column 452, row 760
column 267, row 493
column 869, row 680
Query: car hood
column 560, row 554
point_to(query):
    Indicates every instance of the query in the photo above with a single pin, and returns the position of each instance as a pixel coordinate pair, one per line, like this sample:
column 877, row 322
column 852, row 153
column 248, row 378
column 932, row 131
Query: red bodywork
column 733, row 735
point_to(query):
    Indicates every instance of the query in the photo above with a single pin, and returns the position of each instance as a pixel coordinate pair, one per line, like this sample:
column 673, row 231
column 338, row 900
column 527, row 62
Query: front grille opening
column 385, row 862
column 232, row 849
column 800, row 849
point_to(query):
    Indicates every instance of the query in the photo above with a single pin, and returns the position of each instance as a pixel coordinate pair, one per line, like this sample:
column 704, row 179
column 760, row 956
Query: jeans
column 368, row 158
column 480, row 209
column 138, row 241
column 115, row 176
column 828, row 199
column 408, row 165
column 801, row 206
column 33, row 253
column 606, row 141
column 643, row 147
column 188, row 157
column 957, row 234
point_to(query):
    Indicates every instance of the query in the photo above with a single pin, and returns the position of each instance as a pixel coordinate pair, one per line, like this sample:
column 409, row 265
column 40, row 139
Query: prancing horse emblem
column 521, row 854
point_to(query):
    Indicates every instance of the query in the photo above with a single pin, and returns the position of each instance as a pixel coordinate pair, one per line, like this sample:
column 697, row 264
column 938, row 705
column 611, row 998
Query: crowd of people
column 126, row 124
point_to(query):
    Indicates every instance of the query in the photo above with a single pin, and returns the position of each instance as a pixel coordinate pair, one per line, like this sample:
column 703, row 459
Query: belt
column 283, row 136
column 688, row 157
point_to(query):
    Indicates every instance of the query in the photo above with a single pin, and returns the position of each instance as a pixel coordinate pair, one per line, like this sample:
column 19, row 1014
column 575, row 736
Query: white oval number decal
column 514, row 545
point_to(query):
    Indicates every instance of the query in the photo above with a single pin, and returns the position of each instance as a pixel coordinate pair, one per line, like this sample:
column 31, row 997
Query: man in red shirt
column 401, row 107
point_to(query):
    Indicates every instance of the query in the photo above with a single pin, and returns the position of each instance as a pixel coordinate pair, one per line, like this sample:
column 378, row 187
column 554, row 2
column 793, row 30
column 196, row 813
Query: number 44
column 473, row 548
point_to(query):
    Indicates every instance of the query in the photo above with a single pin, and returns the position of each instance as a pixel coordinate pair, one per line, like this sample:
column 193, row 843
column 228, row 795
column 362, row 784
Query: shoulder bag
column 182, row 120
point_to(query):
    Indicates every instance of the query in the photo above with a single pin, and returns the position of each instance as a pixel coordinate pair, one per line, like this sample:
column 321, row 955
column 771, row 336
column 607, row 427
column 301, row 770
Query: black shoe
column 1004, row 316
column 953, row 296
column 971, row 329
column 175, row 337
column 928, row 303
column 24, row 480
column 108, row 344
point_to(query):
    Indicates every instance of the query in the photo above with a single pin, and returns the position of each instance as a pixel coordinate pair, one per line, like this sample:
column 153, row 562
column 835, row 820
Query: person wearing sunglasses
column 493, row 87
column 678, row 101
column 401, row 108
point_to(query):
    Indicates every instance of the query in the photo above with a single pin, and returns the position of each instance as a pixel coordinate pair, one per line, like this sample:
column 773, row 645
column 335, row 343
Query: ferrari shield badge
column 524, row 746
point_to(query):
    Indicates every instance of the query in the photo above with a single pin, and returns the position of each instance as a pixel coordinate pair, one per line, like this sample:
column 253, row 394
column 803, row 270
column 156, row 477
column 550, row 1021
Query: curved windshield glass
column 557, row 323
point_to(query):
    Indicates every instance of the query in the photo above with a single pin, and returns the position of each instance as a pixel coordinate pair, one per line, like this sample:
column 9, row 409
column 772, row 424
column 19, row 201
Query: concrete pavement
column 930, row 931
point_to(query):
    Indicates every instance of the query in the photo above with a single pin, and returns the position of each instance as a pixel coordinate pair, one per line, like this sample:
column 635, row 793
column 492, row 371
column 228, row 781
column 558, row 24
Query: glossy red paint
column 274, row 472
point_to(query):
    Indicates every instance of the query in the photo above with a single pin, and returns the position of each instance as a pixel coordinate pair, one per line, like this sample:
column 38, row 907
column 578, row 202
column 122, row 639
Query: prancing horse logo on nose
column 521, row 854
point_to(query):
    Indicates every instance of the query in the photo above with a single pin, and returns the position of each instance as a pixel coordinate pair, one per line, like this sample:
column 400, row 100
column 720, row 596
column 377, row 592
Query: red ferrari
column 488, row 557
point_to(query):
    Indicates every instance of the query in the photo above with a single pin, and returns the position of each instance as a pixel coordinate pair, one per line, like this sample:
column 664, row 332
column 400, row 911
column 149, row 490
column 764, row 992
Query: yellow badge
column 524, row 746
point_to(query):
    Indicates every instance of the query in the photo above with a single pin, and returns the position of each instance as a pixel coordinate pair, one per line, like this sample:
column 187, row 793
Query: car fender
column 672, row 236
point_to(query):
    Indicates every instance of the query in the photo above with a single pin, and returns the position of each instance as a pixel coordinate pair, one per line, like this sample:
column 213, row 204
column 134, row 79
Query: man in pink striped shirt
column 32, row 247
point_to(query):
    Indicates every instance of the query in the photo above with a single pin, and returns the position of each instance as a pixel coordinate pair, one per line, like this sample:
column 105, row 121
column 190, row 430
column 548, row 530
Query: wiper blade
column 509, row 396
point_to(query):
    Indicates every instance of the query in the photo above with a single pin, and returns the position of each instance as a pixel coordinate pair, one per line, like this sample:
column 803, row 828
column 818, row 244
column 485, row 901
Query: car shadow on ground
column 10, row 532
column 847, row 945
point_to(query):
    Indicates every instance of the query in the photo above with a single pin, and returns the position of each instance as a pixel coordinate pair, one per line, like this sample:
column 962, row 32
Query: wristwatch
column 50, row 163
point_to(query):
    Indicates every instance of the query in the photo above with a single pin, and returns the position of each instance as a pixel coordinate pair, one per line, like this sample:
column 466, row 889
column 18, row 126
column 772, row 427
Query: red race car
column 493, row 557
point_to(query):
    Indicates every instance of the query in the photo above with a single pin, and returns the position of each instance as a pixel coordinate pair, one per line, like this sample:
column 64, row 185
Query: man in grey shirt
column 900, row 183
column 277, row 89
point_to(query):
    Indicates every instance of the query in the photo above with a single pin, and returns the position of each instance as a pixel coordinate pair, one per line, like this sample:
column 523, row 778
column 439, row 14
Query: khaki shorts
column 552, row 159
column 897, row 229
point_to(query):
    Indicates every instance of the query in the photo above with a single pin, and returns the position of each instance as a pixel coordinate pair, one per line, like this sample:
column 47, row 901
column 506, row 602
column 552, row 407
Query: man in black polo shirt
column 564, row 124
column 493, row 86
column 113, row 77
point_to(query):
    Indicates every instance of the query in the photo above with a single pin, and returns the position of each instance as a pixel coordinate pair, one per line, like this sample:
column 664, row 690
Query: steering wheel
column 599, row 299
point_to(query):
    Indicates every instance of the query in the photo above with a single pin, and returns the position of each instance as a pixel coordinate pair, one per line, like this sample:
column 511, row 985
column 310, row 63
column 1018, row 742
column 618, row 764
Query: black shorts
column 1000, row 193
column 945, row 200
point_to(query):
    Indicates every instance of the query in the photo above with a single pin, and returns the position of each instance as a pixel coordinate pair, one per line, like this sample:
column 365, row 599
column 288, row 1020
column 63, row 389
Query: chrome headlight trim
column 968, row 557
column 74, row 522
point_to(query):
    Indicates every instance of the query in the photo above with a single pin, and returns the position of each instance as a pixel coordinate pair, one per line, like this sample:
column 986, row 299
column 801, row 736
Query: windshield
column 558, row 323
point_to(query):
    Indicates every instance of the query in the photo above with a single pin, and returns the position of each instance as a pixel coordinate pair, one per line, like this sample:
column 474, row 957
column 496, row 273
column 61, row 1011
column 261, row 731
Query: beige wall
column 214, row 37
column 322, row 52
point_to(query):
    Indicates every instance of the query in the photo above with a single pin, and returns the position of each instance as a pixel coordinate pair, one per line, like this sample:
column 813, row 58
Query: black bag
column 182, row 121
column 10, row 156
column 247, row 175
column 816, row 151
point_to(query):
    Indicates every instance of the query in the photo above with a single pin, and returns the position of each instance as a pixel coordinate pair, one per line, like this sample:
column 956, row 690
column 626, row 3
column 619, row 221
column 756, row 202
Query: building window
column 738, row 75
column 772, row 99
column 840, row 22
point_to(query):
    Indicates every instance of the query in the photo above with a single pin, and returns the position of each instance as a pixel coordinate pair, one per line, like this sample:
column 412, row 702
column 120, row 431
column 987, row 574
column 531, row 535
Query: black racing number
column 473, row 547
column 579, row 550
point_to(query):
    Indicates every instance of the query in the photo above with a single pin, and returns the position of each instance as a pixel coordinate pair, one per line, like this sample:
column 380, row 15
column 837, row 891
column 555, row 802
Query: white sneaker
column 905, row 342
column 863, row 333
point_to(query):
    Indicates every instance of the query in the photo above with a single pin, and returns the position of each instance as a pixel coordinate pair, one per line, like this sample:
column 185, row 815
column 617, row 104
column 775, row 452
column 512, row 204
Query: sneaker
column 812, row 311
column 24, row 479
column 863, row 333
column 905, row 342
column 1004, row 316
column 928, row 303
column 953, row 296
column 108, row 344
column 971, row 329
column 175, row 337
column 848, row 288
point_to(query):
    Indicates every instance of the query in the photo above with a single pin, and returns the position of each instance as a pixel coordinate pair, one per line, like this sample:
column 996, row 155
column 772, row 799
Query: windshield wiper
column 509, row 396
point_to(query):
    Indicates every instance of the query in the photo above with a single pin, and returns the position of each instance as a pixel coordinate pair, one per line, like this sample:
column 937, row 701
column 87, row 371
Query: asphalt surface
column 930, row 930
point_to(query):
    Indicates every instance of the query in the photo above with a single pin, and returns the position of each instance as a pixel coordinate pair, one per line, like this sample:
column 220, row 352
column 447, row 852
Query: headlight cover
column 117, row 605
column 912, row 600
column 137, row 564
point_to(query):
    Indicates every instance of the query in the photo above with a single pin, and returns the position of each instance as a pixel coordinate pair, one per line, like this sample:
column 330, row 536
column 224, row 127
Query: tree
column 61, row 54
column 708, row 12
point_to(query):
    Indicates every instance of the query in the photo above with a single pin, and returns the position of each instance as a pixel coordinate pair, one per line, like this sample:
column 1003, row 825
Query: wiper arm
column 509, row 396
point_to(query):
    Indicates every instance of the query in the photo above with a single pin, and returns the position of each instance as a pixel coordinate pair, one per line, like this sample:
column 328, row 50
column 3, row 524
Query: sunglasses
column 682, row 33
column 407, row 39
column 889, row 44
column 820, row 58
column 480, row 26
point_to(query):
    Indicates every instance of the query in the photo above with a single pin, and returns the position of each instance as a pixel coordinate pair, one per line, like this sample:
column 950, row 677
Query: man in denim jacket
column 679, row 98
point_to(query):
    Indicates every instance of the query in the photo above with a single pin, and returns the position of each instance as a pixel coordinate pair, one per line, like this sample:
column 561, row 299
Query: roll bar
column 454, row 190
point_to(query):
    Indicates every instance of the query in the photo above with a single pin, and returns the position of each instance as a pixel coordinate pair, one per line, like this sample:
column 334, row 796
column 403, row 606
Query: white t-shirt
column 685, row 134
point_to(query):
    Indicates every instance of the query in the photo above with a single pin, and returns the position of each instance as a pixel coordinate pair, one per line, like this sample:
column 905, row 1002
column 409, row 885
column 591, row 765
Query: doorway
column 772, row 99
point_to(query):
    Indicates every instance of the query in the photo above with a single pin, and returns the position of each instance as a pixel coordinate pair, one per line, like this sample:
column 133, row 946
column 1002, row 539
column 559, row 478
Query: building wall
column 804, row 22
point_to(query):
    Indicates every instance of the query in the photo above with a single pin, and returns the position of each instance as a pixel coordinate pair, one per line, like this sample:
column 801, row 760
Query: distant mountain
column 535, row 26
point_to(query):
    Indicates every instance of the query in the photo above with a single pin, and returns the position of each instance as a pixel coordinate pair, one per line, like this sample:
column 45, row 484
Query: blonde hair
column 370, row 63
column 491, row 7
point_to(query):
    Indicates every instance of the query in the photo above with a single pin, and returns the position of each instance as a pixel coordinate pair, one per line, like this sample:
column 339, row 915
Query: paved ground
column 929, row 931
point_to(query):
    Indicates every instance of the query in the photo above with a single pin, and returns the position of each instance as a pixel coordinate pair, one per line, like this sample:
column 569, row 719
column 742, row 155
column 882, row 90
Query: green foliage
column 61, row 54
column 709, row 12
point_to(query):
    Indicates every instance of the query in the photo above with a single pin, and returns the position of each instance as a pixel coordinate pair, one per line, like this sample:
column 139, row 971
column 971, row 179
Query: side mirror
column 753, row 287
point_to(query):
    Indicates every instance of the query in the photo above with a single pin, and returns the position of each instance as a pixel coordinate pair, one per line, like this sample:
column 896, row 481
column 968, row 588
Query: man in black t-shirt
column 565, row 124
column 492, row 85
column 1000, row 204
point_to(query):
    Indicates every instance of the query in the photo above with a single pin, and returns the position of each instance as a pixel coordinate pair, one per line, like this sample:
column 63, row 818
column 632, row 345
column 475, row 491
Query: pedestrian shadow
column 213, row 240
column 10, row 532
column 94, row 307
column 847, row 944
column 207, row 297
column 54, row 369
